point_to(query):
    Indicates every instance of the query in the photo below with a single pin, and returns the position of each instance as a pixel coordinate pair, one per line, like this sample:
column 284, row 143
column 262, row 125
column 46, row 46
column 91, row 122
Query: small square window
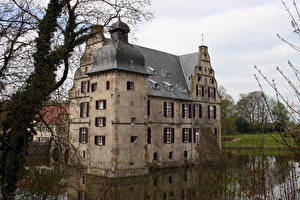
column 93, row 87
column 100, row 140
column 130, row 85
column 185, row 154
column 133, row 139
column 155, row 156
column 100, row 121
column 100, row 104
column 107, row 85
column 170, row 155
column 133, row 120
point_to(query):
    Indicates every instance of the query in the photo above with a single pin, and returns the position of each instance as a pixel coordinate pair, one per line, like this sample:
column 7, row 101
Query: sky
column 238, row 33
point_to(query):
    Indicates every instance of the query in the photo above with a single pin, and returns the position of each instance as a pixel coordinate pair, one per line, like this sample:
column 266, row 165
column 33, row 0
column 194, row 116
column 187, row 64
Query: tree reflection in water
column 240, row 177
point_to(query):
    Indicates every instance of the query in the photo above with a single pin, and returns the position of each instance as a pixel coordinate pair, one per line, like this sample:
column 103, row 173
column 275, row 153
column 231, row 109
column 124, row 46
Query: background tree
column 40, row 42
column 228, row 114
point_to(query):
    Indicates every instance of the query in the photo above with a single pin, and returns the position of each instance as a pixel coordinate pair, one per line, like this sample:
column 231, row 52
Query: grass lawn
column 253, row 141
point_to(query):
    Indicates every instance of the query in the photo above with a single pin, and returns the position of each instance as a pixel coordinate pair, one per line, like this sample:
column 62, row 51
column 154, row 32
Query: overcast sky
column 239, row 34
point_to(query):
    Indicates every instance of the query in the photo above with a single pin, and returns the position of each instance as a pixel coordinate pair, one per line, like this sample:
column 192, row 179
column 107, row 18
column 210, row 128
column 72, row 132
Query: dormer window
column 165, row 73
column 168, row 74
column 154, row 84
column 169, row 86
column 152, row 71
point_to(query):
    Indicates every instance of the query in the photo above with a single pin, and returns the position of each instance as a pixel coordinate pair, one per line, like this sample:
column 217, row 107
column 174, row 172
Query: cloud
column 239, row 34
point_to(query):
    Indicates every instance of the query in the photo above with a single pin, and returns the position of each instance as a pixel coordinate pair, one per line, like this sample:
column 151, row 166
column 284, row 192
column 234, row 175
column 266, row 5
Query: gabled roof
column 53, row 115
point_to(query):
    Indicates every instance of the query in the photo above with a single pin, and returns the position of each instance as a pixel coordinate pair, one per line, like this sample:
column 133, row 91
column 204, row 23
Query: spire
column 119, row 31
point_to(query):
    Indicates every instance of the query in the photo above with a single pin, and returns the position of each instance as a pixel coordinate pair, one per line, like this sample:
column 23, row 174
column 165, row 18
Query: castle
column 133, row 107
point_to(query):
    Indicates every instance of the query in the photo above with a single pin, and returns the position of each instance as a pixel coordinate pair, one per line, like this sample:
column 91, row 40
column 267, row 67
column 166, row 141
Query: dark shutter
column 149, row 135
column 165, row 109
column 183, row 110
column 202, row 90
column 104, row 104
column 96, row 140
column 88, row 86
column 103, row 139
column 200, row 110
column 194, row 110
column 172, row 109
column 81, row 109
column 107, row 85
column 209, row 92
column 190, row 135
column 182, row 134
column 82, row 86
column 128, row 85
column 97, row 105
column 208, row 112
column 214, row 92
column 172, row 135
column 165, row 135
column 87, row 109
column 215, row 112
column 96, row 122
column 87, row 135
column 104, row 121
column 194, row 135
column 80, row 135
column 148, row 107
column 190, row 110
column 197, row 88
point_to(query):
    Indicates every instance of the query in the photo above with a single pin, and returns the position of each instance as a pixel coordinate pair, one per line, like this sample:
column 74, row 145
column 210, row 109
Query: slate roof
column 168, row 74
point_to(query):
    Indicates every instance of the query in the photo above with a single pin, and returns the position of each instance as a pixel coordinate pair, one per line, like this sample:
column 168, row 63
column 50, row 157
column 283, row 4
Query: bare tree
column 37, row 45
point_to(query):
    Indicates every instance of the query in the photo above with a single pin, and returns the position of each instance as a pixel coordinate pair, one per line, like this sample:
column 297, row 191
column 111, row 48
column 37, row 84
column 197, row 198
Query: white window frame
column 186, row 135
column 168, row 135
column 185, row 111
column 168, row 109
column 197, row 135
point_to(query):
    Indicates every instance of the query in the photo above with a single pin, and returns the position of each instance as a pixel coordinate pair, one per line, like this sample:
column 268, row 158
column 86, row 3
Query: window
column 197, row 135
column 133, row 120
column 84, row 109
column 199, row 78
column 186, row 135
column 170, row 179
column 83, row 135
column 83, row 154
column 212, row 80
column 216, row 132
column 200, row 69
column 197, row 110
column 107, row 85
column 148, row 107
column 100, row 104
column 168, row 109
column 212, row 92
column 185, row 154
column 85, row 86
column 168, row 195
column 169, row 135
column 155, row 156
column 100, row 121
column 133, row 139
column 186, row 110
column 93, row 87
column 212, row 112
column 130, row 85
column 149, row 136
column 100, row 140
column 170, row 155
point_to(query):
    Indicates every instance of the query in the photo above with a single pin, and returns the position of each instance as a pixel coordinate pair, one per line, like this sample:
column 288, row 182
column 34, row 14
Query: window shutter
column 202, row 90
column 81, row 109
column 104, row 104
column 87, row 135
column 149, row 135
column 87, row 109
column 215, row 112
column 190, row 135
column 208, row 91
column 97, row 105
column 96, row 122
column 197, row 90
column 182, row 110
column 80, row 135
column 165, row 135
column 182, row 134
column 95, row 140
column 104, row 121
column 148, row 107
column 208, row 112
column 200, row 110
column 194, row 135
column 214, row 92
column 128, row 85
column 190, row 110
column 165, row 109
column 88, row 86
column 194, row 110
column 172, row 109
column 172, row 135
column 103, row 139
column 82, row 86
